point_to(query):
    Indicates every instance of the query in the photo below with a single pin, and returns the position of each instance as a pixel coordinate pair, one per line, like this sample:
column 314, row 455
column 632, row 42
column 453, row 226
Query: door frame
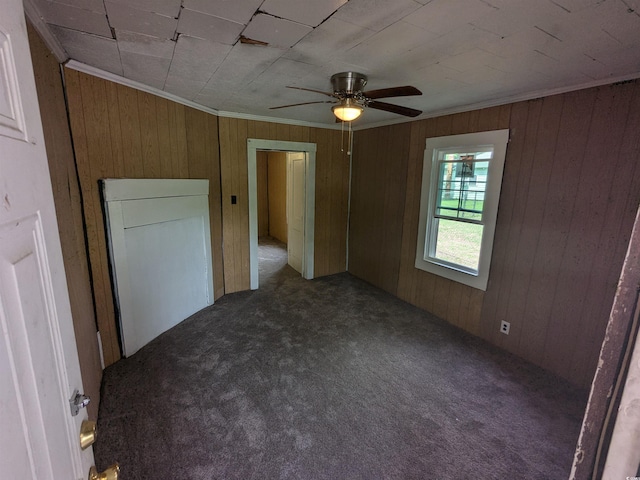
column 253, row 145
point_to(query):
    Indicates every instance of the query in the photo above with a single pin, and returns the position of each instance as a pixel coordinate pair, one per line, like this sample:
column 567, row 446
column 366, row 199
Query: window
column 461, row 180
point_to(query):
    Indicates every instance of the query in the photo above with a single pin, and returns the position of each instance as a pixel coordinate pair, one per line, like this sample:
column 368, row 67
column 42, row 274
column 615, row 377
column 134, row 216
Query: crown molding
column 35, row 17
column 505, row 100
column 285, row 121
column 112, row 77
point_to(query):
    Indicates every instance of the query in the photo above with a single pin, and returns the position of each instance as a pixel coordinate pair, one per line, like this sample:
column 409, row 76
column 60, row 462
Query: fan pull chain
column 342, row 137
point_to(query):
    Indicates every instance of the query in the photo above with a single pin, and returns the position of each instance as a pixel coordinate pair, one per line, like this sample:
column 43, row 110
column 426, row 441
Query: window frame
column 496, row 140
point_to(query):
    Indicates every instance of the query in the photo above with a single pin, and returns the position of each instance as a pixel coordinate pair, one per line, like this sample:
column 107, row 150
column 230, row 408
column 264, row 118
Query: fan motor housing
column 348, row 82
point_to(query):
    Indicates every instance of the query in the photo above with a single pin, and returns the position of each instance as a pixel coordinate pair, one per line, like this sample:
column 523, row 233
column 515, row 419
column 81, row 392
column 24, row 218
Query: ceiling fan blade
column 316, row 91
column 389, row 107
column 406, row 91
column 297, row 104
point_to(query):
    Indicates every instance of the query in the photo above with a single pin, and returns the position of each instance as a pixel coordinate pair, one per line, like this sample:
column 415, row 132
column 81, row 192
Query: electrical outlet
column 504, row 327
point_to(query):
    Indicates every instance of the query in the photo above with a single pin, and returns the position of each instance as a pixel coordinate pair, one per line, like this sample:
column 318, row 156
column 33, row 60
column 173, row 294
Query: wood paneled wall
column 378, row 185
column 573, row 189
column 332, row 190
column 66, row 193
column 570, row 191
column 271, row 173
column 278, row 196
column 262, row 174
column 119, row 132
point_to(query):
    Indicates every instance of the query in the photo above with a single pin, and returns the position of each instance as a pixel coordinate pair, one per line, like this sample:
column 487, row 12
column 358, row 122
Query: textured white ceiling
column 459, row 53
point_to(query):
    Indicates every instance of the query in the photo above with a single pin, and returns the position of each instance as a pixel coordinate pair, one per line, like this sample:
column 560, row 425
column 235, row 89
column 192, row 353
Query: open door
column 40, row 382
column 296, row 195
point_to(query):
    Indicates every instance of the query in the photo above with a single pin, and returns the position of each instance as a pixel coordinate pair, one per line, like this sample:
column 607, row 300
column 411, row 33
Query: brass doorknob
column 88, row 434
column 111, row 473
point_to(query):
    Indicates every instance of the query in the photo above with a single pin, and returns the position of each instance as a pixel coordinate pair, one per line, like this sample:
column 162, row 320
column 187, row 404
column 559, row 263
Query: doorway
column 300, row 166
column 281, row 210
column 273, row 234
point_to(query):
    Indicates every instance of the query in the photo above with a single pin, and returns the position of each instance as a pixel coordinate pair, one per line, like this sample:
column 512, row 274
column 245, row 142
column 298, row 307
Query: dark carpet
column 330, row 379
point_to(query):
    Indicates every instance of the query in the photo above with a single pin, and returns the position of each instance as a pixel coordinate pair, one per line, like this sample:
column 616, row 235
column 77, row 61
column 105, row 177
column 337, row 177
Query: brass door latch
column 111, row 473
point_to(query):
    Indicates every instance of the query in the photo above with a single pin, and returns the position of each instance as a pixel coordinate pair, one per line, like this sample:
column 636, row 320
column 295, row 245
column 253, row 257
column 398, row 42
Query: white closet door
column 160, row 245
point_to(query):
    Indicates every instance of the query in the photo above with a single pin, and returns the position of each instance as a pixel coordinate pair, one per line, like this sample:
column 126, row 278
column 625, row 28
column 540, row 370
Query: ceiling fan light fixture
column 347, row 110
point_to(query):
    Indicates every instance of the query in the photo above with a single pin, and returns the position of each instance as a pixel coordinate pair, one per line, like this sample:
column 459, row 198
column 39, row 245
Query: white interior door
column 296, row 176
column 160, row 247
column 39, row 370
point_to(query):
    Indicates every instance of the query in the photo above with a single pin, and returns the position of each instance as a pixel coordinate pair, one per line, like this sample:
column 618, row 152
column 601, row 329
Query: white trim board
column 135, row 189
column 253, row 145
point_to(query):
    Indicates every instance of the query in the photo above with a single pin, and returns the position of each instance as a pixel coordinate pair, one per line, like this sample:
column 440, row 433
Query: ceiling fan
column 350, row 100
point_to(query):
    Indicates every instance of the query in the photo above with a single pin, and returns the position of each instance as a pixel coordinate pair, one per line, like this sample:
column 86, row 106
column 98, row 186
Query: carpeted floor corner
column 330, row 379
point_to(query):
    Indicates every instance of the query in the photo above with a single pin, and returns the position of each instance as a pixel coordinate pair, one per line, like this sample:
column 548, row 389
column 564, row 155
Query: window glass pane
column 458, row 242
column 461, row 188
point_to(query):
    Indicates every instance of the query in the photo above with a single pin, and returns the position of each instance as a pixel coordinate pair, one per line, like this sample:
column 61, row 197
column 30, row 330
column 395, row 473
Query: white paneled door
column 160, row 248
column 296, row 176
column 39, row 370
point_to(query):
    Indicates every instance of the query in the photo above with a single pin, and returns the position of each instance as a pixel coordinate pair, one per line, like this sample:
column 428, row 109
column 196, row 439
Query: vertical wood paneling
column 215, row 207
column 377, row 204
column 81, row 149
column 630, row 147
column 570, row 191
column 224, row 136
column 277, row 185
column 523, row 159
column 612, row 209
column 235, row 268
column 149, row 135
column 476, row 301
column 332, row 164
column 369, row 207
column 117, row 149
column 130, row 128
column 395, row 173
column 164, row 137
column 181, row 161
column 323, row 206
column 92, row 93
column 121, row 132
column 203, row 162
column 527, row 279
column 338, row 186
column 263, row 193
column 559, row 204
column 582, row 256
column 66, row 193
column 515, row 181
column 242, row 266
column 409, row 277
